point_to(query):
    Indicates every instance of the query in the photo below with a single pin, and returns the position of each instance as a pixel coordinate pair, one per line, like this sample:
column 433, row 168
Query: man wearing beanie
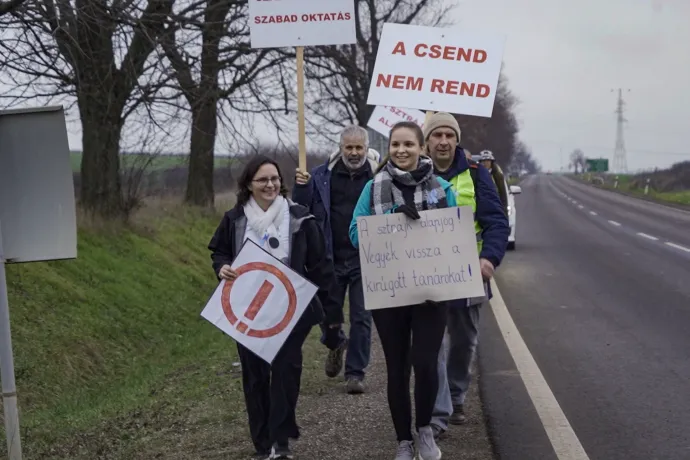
column 473, row 186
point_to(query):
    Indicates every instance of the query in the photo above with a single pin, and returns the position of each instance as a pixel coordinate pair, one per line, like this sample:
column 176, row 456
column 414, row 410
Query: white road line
column 562, row 436
column 677, row 246
column 580, row 206
column 649, row 237
column 593, row 213
column 613, row 222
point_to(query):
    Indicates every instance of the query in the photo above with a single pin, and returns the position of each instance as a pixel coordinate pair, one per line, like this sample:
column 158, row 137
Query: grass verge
column 624, row 185
column 112, row 342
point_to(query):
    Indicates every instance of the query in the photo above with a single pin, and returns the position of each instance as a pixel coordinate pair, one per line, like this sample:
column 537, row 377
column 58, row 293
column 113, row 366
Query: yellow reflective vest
column 463, row 185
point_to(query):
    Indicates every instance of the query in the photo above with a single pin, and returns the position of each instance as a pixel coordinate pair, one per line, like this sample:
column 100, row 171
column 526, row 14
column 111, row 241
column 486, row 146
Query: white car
column 512, row 214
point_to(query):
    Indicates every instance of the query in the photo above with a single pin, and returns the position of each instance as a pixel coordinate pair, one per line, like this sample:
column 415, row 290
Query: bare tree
column 578, row 161
column 497, row 133
column 523, row 160
column 339, row 76
column 96, row 53
column 211, row 40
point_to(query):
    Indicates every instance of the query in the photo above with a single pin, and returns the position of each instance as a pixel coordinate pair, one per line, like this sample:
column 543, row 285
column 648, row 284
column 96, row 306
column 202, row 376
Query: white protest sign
column 439, row 69
column 384, row 117
column 263, row 304
column 405, row 262
column 280, row 23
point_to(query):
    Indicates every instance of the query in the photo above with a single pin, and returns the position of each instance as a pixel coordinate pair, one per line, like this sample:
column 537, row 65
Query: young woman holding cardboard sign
column 288, row 232
column 410, row 335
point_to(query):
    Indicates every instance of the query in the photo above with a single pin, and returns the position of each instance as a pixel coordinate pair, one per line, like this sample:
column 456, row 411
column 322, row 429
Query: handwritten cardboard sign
column 384, row 117
column 406, row 262
column 279, row 23
column 262, row 305
column 439, row 69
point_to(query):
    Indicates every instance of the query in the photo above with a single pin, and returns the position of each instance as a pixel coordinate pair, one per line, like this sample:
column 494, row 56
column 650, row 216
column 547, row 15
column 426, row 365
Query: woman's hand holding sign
column 227, row 273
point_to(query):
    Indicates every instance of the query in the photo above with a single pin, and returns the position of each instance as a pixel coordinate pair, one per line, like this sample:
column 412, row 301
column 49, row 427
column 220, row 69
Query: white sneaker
column 405, row 451
column 428, row 450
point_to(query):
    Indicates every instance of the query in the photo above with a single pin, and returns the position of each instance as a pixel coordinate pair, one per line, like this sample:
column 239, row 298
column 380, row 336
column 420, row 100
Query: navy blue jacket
column 315, row 195
column 489, row 215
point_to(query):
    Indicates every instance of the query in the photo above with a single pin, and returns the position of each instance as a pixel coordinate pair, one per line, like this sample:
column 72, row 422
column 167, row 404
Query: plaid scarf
column 428, row 194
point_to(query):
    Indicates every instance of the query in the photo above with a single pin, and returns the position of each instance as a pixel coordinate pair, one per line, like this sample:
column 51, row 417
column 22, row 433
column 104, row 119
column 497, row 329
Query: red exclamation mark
column 256, row 304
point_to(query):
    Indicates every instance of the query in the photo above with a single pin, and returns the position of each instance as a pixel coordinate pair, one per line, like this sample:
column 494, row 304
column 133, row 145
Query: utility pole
column 620, row 161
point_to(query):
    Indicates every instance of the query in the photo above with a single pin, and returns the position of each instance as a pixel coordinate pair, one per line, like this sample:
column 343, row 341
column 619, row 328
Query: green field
column 158, row 163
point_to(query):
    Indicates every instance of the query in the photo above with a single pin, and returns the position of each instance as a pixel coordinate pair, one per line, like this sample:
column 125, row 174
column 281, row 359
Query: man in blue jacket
column 331, row 192
column 442, row 134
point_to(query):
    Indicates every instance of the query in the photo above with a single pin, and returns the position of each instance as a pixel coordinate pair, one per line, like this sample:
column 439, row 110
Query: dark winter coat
column 308, row 257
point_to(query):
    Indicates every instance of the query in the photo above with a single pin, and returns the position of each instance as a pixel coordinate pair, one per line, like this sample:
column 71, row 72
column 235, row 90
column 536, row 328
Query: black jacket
column 308, row 257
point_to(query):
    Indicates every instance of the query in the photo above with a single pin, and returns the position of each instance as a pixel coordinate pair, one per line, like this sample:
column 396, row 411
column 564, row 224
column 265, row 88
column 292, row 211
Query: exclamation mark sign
column 469, row 269
column 256, row 304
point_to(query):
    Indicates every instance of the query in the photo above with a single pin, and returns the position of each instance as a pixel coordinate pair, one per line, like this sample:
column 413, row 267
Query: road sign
column 597, row 164
column 37, row 219
column 261, row 307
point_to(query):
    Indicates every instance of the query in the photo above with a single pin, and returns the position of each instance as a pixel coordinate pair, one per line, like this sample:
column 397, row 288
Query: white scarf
column 272, row 223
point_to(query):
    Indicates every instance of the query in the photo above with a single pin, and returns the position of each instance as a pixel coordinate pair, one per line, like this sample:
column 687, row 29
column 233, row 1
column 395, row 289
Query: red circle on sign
column 240, row 325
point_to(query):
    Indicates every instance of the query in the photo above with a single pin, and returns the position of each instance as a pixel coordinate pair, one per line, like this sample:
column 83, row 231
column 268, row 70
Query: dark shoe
column 355, row 386
column 458, row 417
column 334, row 361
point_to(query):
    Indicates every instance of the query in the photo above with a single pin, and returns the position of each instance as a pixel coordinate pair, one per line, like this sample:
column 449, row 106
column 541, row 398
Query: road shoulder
column 514, row 426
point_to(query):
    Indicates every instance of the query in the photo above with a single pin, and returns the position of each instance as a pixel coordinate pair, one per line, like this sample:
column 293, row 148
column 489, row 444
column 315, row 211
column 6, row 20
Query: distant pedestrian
column 288, row 232
column 486, row 158
column 331, row 192
column 410, row 335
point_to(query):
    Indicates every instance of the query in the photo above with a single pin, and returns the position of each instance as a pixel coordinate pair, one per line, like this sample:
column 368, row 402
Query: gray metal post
column 9, row 389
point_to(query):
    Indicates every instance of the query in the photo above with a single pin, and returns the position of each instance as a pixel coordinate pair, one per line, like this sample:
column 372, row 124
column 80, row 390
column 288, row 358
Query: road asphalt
column 599, row 289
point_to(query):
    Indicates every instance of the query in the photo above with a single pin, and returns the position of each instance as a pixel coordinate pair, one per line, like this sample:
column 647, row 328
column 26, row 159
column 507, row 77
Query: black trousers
column 271, row 391
column 411, row 337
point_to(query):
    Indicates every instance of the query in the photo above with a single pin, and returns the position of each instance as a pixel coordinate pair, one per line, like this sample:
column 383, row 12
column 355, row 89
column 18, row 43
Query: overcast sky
column 563, row 58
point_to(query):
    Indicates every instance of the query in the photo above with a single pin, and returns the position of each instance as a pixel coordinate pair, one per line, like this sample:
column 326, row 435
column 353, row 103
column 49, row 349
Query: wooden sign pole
column 429, row 113
column 300, row 110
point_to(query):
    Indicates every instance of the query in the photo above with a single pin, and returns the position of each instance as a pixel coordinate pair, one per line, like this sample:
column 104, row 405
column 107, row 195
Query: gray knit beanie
column 441, row 120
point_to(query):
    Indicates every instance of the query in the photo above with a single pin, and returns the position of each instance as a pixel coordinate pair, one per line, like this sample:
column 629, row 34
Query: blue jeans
column 455, row 362
column 348, row 275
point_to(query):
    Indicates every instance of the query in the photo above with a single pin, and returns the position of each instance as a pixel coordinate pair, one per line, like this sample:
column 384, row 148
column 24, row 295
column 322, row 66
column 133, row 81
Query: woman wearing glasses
column 288, row 232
